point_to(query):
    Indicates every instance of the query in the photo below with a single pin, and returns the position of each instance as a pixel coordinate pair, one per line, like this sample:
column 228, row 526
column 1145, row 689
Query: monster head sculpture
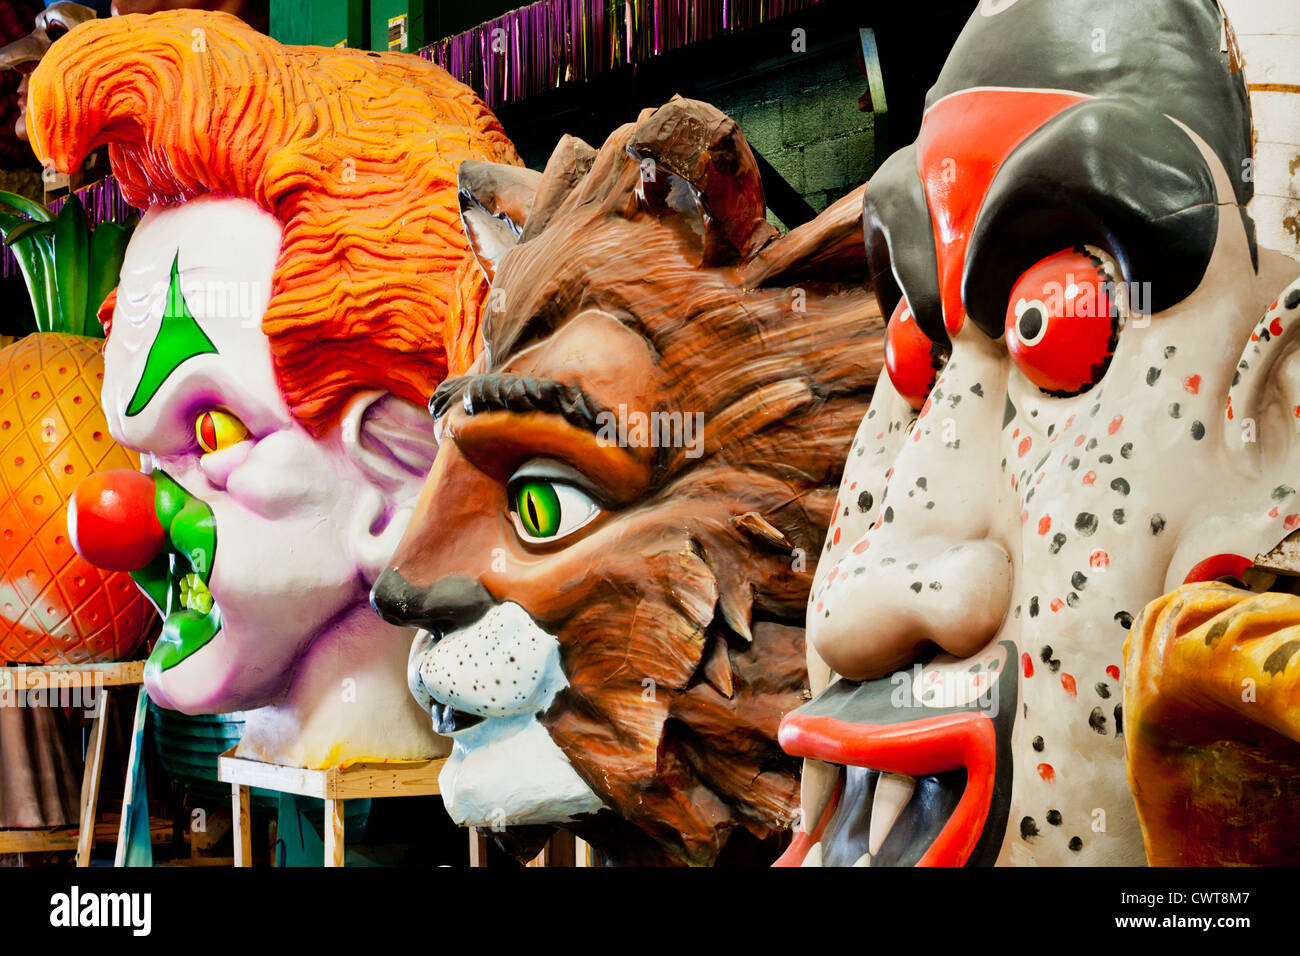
column 288, row 303
column 1076, row 295
column 608, row 558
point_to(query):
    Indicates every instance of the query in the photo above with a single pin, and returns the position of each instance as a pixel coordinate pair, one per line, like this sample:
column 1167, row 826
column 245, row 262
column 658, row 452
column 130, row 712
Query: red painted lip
column 1218, row 566
column 916, row 748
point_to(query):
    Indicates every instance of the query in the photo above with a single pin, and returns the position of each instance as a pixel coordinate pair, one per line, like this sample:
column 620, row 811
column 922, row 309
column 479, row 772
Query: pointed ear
column 830, row 248
column 696, row 165
column 391, row 443
column 495, row 202
column 566, row 167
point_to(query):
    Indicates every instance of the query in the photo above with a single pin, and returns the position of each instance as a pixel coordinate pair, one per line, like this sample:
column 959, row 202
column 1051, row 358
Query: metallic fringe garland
column 553, row 42
column 103, row 201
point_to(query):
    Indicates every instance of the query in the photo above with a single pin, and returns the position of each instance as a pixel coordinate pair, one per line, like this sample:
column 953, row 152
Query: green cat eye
column 538, row 507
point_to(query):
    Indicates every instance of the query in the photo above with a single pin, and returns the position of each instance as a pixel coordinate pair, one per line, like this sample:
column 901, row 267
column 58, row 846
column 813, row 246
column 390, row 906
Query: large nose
column 931, row 569
column 113, row 520
column 451, row 602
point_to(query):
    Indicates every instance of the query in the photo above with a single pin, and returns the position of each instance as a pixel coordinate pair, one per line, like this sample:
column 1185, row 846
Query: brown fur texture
column 680, row 612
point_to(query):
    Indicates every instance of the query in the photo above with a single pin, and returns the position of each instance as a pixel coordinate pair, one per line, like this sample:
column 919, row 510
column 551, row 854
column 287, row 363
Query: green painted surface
column 179, row 339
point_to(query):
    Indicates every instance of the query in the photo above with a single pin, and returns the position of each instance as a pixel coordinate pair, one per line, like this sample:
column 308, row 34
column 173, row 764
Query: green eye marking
column 179, row 338
column 539, row 508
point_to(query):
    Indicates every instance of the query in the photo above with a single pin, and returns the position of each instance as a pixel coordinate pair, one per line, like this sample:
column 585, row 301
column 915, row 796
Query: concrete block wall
column 804, row 119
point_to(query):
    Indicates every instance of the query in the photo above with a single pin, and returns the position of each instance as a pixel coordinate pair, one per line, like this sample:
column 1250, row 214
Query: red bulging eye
column 912, row 357
column 1061, row 322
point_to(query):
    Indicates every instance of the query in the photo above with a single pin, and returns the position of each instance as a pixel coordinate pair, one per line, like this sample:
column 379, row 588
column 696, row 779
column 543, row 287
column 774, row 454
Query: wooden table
column 54, row 678
column 334, row 785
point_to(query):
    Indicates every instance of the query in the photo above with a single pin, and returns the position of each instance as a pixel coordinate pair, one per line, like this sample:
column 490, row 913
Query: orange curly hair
column 355, row 153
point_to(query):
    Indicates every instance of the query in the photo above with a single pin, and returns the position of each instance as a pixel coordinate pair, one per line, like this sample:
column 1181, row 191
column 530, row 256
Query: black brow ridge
column 504, row 392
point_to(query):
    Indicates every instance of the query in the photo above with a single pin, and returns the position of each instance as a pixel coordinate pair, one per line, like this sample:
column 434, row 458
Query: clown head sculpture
column 608, row 562
column 1082, row 408
column 288, row 303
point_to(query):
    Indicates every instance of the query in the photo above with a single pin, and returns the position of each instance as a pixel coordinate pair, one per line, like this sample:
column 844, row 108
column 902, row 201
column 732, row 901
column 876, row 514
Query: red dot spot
column 1274, row 512
column 836, row 540
column 1099, row 559
column 1080, row 440
column 852, row 486
column 1015, row 434
column 1046, row 772
column 862, row 546
column 1115, row 424
column 1090, row 478
column 1112, row 672
column 1025, row 443
column 1027, row 665
column 831, row 577
column 1057, row 604
column 820, row 605
column 1192, row 384
column 1067, row 681
column 1290, row 522
column 1044, row 524
column 1275, row 326
column 1024, row 516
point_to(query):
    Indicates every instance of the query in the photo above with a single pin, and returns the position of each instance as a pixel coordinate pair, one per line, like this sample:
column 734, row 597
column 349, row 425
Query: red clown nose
column 113, row 522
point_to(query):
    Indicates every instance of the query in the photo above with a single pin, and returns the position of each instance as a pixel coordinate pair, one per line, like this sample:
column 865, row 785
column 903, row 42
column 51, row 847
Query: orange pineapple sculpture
column 54, row 606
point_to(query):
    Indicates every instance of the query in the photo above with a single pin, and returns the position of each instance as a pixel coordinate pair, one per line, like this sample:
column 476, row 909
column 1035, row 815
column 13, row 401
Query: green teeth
column 195, row 595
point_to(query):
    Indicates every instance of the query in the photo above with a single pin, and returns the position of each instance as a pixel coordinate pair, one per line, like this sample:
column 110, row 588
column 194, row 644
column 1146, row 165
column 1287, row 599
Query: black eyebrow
column 899, row 240
column 1080, row 178
column 503, row 392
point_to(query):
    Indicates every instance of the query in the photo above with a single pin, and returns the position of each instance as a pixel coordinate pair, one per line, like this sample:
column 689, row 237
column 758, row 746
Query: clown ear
column 391, row 443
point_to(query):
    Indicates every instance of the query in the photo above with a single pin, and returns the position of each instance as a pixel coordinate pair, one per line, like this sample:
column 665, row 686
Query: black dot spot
column 1175, row 410
column 1118, row 515
column 1072, row 599
column 1033, row 606
column 1085, row 523
column 1119, row 719
column 1054, row 817
column 864, row 501
column 1170, row 351
column 1157, row 523
column 1126, row 450
column 1074, row 464
column 1198, row 431
column 1078, row 580
column 1103, row 691
column 889, row 514
column 1030, row 323
column 1092, row 443
column 1097, row 720
column 1153, row 374
column 916, row 586
column 921, row 483
column 1028, row 828
column 1125, row 619
column 1045, row 654
column 1106, row 459
column 1292, row 299
column 1058, row 542
column 1120, row 485
column 1038, row 744
column 1076, row 844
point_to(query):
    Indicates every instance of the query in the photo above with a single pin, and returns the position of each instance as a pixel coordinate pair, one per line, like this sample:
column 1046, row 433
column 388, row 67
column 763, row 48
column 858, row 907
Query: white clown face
column 302, row 525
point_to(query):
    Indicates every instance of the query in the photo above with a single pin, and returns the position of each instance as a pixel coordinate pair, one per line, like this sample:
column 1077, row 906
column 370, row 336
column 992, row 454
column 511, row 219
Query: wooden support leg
column 478, row 847
column 559, row 850
column 241, row 810
column 90, row 780
column 333, row 832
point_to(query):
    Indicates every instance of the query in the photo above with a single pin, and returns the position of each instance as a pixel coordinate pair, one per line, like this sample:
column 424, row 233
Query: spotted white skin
column 304, row 525
column 505, row 770
column 1077, row 512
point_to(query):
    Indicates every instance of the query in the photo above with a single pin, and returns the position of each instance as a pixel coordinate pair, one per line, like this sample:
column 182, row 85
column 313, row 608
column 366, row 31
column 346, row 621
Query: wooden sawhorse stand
column 54, row 678
column 333, row 785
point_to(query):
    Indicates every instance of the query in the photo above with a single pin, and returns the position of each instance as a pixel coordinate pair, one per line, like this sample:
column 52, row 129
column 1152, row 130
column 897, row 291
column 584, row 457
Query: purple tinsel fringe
column 554, row 42
column 103, row 201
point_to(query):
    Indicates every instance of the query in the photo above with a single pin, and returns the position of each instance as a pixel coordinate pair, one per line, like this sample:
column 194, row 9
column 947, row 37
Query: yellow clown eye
column 217, row 430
